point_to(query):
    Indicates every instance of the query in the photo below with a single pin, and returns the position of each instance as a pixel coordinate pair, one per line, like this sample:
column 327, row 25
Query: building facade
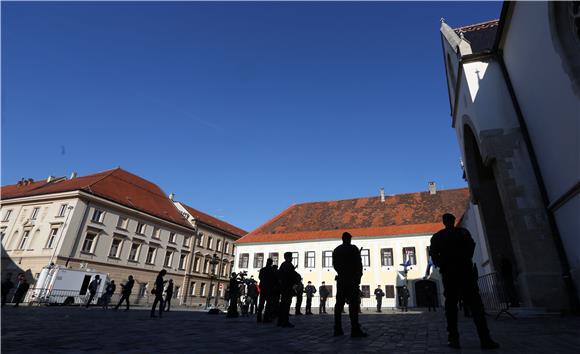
column 390, row 230
column 114, row 222
column 514, row 92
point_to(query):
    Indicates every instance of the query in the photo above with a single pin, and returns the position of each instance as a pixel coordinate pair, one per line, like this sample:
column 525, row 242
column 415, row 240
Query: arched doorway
column 425, row 293
column 485, row 193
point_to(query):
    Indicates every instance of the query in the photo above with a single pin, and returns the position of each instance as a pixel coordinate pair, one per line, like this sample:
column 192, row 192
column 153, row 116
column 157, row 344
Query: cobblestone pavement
column 74, row 330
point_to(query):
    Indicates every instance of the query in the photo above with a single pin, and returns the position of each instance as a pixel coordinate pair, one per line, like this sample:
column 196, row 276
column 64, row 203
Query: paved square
column 73, row 330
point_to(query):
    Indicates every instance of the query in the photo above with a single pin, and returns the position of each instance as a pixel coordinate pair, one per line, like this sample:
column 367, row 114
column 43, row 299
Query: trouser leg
column 475, row 305
column 261, row 304
column 451, row 299
column 284, row 309
column 308, row 304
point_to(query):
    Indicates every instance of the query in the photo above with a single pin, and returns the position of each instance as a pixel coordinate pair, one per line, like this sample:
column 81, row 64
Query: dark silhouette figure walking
column 267, row 279
column 93, row 287
column 234, row 296
column 168, row 295
column 287, row 278
column 379, row 294
column 253, row 295
column 158, row 292
column 7, row 285
column 126, row 292
column 452, row 251
column 324, row 293
column 310, row 291
column 299, row 290
column 347, row 262
column 109, row 291
column 21, row 289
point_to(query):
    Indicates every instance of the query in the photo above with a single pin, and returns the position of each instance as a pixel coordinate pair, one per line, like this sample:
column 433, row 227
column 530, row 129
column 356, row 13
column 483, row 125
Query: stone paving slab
column 77, row 330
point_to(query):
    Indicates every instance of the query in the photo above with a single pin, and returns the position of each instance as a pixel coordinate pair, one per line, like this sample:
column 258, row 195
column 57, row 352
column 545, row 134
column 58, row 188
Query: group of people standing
column 21, row 289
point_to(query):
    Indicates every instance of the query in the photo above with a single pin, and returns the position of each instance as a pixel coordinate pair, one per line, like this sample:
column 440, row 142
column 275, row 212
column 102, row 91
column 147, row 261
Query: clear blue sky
column 241, row 109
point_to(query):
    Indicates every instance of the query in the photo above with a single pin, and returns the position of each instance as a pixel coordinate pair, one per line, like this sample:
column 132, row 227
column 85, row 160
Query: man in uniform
column 323, row 292
column 379, row 294
column 347, row 262
column 287, row 277
column 452, row 251
column 310, row 291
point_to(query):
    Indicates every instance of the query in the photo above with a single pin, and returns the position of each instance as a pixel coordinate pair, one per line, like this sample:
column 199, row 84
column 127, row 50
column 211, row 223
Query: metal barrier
column 493, row 295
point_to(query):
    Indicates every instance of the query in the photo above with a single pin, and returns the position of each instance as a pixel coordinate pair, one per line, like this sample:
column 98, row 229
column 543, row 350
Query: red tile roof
column 215, row 222
column 413, row 213
column 116, row 185
column 481, row 36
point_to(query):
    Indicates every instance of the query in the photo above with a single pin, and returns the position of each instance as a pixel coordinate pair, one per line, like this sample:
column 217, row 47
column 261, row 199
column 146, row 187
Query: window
column 210, row 243
column 365, row 257
column 61, row 210
column 244, row 259
column 172, row 237
column 140, row 228
column 226, row 247
column 168, row 259
column 224, row 269
column 98, row 216
column 366, row 291
column 309, row 260
column 274, row 257
column 51, row 237
column 196, row 264
column 387, row 257
column 7, row 215
column 115, row 248
column 295, row 259
column 389, row 291
column 89, row 244
column 186, row 241
column 409, row 255
column 134, row 252
column 202, row 290
column 206, row 266
column 122, row 223
column 212, row 290
column 182, row 259
column 200, row 241
column 258, row 260
column 156, row 232
column 151, row 252
column 192, row 288
column 218, row 244
column 23, row 240
column 34, row 213
column 327, row 259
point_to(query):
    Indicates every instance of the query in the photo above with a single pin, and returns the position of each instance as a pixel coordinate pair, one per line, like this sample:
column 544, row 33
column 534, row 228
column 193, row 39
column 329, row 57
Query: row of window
column 34, row 213
column 209, row 268
column 218, row 244
column 386, row 258
column 202, row 290
column 50, row 242
column 90, row 242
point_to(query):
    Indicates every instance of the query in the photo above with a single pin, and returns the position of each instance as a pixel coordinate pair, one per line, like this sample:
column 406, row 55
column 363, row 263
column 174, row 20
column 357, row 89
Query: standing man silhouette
column 323, row 292
column 168, row 295
column 287, row 277
column 310, row 291
column 347, row 262
column 379, row 294
column 452, row 250
column 299, row 290
column 158, row 292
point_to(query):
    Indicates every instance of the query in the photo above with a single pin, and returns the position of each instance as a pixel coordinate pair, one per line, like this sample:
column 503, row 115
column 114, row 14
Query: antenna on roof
column 432, row 188
column 382, row 193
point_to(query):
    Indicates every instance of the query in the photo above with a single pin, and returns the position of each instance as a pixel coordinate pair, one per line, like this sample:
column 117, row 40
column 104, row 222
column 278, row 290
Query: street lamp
column 214, row 261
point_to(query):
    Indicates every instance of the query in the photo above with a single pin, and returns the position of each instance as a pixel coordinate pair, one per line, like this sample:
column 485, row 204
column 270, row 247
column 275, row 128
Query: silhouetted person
column 234, row 296
column 379, row 294
column 267, row 280
column 168, row 295
column 452, row 251
column 158, row 292
column 347, row 262
column 429, row 297
column 109, row 291
column 275, row 293
column 21, row 289
column 287, row 278
column 310, row 291
column 404, row 298
column 7, row 285
column 126, row 292
column 253, row 295
column 299, row 290
column 93, row 287
column 324, row 293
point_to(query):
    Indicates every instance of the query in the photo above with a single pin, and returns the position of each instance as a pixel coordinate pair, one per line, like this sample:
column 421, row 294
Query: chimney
column 432, row 188
column 73, row 175
column 50, row 179
column 171, row 196
column 382, row 192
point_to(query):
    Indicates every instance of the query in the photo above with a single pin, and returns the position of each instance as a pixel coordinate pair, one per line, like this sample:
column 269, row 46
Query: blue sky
column 241, row 109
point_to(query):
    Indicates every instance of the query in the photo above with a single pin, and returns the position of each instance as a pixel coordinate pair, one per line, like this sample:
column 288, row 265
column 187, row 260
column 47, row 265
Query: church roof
column 481, row 36
column 116, row 185
column 403, row 214
column 215, row 222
